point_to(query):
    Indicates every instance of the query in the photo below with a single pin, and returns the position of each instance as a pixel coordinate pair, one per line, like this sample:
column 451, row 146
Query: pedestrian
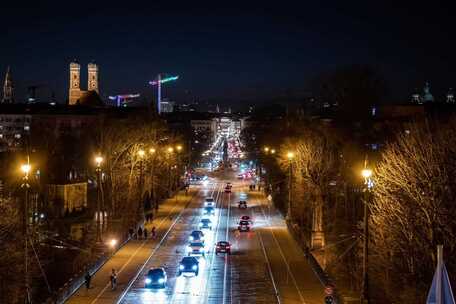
column 113, row 279
column 140, row 233
column 130, row 232
column 154, row 233
column 145, row 233
column 87, row 279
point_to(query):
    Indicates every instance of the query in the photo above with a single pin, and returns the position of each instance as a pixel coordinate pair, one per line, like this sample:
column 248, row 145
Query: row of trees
column 141, row 163
column 412, row 207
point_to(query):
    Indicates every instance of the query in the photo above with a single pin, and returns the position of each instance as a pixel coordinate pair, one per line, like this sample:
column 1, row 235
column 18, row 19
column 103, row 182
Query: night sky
column 243, row 52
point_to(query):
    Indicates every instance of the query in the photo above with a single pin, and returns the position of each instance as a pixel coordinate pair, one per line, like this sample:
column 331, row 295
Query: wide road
column 266, row 264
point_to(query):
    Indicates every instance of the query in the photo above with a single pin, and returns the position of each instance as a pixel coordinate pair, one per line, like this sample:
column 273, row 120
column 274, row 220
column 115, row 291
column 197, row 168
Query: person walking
column 145, row 233
column 87, row 280
column 140, row 233
column 113, row 279
column 154, row 232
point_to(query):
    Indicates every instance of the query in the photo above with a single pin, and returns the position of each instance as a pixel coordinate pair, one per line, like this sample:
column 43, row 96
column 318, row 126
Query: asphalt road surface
column 266, row 264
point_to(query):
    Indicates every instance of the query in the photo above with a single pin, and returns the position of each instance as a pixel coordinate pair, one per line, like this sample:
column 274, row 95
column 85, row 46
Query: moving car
column 242, row 196
column 242, row 205
column 196, row 248
column 223, row 246
column 155, row 278
column 205, row 223
column 244, row 226
column 209, row 202
column 246, row 218
column 240, row 176
column 196, row 236
column 209, row 210
column 227, row 189
column 188, row 265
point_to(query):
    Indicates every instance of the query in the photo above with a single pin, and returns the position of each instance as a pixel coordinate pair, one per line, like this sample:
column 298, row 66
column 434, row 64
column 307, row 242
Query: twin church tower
column 76, row 93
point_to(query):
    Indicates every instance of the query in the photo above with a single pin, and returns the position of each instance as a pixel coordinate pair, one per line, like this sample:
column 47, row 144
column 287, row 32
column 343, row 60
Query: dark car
column 244, row 226
column 205, row 223
column 223, row 246
column 242, row 205
column 227, row 189
column 196, row 236
column 155, row 278
column 209, row 210
column 188, row 265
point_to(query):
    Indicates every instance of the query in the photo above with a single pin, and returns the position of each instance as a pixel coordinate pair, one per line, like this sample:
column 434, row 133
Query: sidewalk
column 129, row 259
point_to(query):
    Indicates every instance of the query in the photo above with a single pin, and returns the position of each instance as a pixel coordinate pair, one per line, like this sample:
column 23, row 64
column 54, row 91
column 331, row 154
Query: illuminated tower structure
column 8, row 88
column 75, row 83
column 75, row 93
column 93, row 77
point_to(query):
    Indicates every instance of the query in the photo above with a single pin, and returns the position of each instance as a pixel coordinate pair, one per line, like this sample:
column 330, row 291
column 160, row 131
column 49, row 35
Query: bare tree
column 413, row 208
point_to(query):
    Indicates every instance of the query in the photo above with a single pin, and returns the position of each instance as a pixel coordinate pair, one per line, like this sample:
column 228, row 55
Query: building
column 8, row 88
column 14, row 128
column 166, row 106
column 76, row 95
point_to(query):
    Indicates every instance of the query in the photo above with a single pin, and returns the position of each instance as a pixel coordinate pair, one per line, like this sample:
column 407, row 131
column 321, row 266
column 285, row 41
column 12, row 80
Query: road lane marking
column 216, row 199
column 281, row 253
column 136, row 251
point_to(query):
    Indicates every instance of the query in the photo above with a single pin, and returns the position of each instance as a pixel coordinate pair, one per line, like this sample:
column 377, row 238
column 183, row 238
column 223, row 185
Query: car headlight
column 191, row 238
column 189, row 249
column 161, row 280
column 194, row 267
column 202, row 238
column 181, row 267
column 200, row 224
column 148, row 281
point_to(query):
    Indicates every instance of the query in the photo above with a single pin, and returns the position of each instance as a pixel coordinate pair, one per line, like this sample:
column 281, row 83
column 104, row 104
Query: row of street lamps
column 366, row 173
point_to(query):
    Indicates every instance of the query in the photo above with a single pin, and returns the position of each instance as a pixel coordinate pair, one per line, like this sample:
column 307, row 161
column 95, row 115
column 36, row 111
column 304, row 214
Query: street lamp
column 25, row 169
column 266, row 149
column 170, row 151
column 98, row 161
column 152, row 173
column 290, row 156
column 273, row 151
column 366, row 173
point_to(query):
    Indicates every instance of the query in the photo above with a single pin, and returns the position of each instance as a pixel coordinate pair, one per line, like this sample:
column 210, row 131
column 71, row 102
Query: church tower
column 93, row 77
column 75, row 82
column 8, row 88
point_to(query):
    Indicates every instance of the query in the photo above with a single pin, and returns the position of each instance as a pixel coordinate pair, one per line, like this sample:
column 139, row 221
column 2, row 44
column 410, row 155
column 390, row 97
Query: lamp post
column 152, row 173
column 366, row 173
column 178, row 164
column 170, row 151
column 141, row 154
column 98, row 162
column 25, row 169
column 290, row 156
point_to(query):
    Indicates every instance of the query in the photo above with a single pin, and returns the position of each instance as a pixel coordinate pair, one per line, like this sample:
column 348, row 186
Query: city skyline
column 228, row 53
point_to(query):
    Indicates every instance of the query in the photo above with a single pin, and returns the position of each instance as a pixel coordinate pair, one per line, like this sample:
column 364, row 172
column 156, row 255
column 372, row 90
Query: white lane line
column 225, row 268
column 133, row 255
column 214, row 186
column 155, row 249
column 206, row 285
column 282, row 254
column 269, row 268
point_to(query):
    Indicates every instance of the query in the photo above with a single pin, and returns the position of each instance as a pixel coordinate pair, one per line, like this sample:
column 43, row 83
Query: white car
column 196, row 248
column 209, row 202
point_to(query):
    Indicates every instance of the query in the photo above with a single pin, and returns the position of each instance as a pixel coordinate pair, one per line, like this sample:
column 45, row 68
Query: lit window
column 1, row 135
column 27, row 128
column 17, row 135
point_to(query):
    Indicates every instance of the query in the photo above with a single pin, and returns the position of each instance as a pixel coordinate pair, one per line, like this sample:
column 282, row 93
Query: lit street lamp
column 152, row 173
column 170, row 151
column 366, row 173
column 98, row 161
column 290, row 156
column 25, row 169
